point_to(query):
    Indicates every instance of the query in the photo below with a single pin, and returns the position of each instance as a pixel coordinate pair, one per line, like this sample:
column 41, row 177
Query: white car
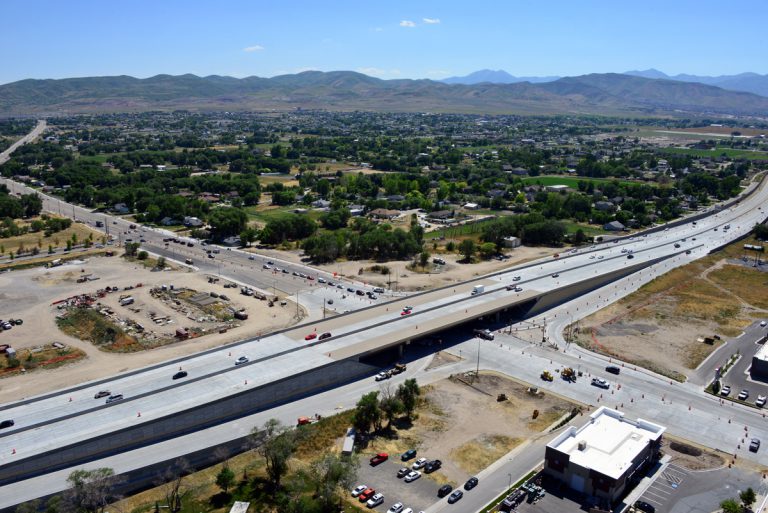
column 601, row 383
column 358, row 490
column 419, row 463
column 375, row 500
column 241, row 360
column 381, row 376
column 760, row 402
column 763, row 324
column 412, row 476
column 396, row 508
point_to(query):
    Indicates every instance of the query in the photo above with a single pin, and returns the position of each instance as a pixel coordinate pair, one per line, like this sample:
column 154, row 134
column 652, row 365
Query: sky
column 383, row 38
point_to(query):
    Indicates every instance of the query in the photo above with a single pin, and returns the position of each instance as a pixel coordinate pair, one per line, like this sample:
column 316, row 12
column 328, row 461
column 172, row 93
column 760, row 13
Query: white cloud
column 407, row 23
column 254, row 48
column 431, row 21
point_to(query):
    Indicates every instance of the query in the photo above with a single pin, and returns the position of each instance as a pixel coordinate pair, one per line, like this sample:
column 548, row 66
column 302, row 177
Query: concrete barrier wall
column 206, row 415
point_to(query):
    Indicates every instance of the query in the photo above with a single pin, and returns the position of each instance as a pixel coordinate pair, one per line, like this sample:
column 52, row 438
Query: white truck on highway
column 478, row 289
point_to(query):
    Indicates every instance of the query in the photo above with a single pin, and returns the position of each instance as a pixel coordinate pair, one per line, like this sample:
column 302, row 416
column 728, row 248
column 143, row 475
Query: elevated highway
column 68, row 427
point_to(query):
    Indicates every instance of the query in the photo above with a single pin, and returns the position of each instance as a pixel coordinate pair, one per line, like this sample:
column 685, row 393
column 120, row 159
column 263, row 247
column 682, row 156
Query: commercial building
column 759, row 368
column 601, row 458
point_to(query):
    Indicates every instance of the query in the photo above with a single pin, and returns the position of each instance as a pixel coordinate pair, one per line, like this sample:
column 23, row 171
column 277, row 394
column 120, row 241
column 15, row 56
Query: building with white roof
column 759, row 368
column 603, row 456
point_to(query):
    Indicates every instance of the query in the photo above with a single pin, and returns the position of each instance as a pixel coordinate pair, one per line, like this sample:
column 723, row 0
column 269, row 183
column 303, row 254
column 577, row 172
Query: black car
column 102, row 393
column 402, row 472
column 613, row 369
column 444, row 490
column 350, row 289
column 645, row 507
column 471, row 483
column 359, row 292
column 180, row 374
column 6, row 424
column 409, row 454
column 432, row 466
column 455, row 496
column 324, row 336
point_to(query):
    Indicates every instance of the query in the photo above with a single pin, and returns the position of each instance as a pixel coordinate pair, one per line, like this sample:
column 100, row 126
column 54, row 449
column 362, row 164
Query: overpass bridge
column 67, row 428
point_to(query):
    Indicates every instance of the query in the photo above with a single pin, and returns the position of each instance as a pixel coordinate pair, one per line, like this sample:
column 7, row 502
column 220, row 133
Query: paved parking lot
column 419, row 494
column 662, row 493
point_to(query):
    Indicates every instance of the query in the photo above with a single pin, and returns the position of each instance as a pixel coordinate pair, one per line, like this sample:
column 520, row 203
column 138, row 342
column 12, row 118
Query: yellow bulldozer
column 546, row 376
column 568, row 374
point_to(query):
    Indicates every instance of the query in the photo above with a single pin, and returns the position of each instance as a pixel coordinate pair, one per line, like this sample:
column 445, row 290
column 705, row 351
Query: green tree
column 143, row 255
column 424, row 258
column 467, row 249
column 161, row 262
column 716, row 387
column 277, row 444
column 391, row 406
column 90, row 490
column 487, row 250
column 367, row 412
column 331, row 475
column 730, row 506
column 69, row 246
column 747, row 497
column 760, row 231
column 131, row 248
column 225, row 478
column 408, row 392
column 579, row 237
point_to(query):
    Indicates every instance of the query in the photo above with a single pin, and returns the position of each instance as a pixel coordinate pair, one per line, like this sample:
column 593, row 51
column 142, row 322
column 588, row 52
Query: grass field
column 718, row 152
column 265, row 214
column 570, row 181
column 39, row 240
column 588, row 229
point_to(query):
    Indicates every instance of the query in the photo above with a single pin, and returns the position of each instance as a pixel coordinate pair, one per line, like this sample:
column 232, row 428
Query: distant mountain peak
column 494, row 77
column 648, row 73
column 605, row 94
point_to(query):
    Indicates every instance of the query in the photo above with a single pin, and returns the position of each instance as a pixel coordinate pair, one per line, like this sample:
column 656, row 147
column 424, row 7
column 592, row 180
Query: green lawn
column 274, row 213
column 570, row 181
column 588, row 229
column 456, row 231
column 718, row 152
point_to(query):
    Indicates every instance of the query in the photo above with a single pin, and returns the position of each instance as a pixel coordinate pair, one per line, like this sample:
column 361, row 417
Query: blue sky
column 384, row 38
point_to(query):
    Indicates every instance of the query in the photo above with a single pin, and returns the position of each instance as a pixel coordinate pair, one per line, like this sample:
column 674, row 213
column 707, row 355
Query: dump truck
column 547, row 376
column 568, row 374
column 398, row 368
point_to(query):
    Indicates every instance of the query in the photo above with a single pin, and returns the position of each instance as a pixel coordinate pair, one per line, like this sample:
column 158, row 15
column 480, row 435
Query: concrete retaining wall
column 206, row 415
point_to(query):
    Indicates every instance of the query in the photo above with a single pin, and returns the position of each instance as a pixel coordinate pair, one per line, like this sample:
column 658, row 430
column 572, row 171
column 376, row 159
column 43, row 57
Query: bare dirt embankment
column 401, row 277
column 660, row 327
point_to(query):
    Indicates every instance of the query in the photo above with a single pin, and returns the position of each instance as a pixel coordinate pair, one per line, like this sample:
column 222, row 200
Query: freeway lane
column 153, row 399
column 152, row 393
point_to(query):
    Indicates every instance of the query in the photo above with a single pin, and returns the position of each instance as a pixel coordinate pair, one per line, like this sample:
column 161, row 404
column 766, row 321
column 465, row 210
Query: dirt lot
column 658, row 326
column 29, row 294
column 448, row 427
column 402, row 278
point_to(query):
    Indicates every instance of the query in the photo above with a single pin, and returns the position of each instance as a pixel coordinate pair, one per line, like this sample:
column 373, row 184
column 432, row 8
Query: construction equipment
column 568, row 374
column 547, row 376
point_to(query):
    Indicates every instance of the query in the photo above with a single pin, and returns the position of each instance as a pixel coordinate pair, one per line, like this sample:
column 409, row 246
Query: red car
column 311, row 336
column 405, row 312
column 379, row 458
column 367, row 494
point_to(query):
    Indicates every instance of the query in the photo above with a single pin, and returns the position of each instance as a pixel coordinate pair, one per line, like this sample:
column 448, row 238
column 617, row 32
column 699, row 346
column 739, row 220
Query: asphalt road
column 682, row 407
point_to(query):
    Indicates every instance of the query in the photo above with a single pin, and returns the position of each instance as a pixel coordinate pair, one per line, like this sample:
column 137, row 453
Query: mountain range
column 745, row 82
column 604, row 94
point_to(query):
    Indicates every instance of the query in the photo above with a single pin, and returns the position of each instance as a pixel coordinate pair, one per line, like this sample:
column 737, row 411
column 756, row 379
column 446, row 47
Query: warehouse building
column 601, row 458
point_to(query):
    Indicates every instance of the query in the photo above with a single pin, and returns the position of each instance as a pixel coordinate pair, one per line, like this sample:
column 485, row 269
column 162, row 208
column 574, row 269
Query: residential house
column 613, row 226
